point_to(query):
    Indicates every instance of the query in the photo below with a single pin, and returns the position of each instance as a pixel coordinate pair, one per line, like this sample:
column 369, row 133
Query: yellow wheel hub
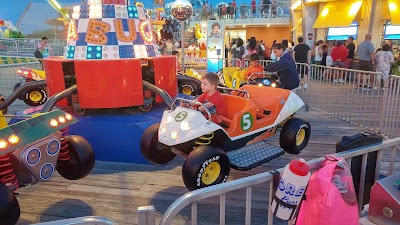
column 301, row 135
column 187, row 91
column 35, row 96
column 211, row 173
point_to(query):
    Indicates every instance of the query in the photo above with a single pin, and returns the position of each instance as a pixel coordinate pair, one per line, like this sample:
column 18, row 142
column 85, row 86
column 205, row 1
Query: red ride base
column 110, row 83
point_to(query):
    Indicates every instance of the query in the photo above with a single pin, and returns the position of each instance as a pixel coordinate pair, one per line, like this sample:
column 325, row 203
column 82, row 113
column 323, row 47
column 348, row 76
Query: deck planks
column 116, row 190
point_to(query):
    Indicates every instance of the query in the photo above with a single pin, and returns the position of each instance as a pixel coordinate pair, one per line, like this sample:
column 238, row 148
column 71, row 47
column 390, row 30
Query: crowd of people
column 262, row 9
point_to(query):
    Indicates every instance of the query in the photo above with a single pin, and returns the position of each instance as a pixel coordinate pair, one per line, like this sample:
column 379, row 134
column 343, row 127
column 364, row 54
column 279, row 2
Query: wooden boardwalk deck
column 115, row 190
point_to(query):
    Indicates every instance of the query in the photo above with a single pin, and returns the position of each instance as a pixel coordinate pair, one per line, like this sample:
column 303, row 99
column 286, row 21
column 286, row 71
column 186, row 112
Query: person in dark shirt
column 302, row 54
column 286, row 67
column 351, row 47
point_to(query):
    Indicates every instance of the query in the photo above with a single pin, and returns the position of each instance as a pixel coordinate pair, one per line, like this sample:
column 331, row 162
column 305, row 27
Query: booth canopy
column 338, row 14
column 394, row 10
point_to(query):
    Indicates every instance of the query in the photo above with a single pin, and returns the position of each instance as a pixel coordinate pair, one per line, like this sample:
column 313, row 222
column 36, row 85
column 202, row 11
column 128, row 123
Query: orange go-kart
column 254, row 113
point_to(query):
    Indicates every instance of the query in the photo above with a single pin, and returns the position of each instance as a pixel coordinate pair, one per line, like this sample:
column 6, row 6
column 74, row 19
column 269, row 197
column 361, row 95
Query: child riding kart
column 210, row 149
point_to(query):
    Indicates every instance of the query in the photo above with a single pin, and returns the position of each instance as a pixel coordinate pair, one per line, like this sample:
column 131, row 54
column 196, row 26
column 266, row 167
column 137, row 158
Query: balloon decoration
column 199, row 33
column 182, row 10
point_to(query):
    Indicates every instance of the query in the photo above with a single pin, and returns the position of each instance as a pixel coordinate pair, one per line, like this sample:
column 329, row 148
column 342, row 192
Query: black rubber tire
column 82, row 159
column 16, row 86
column 2, row 99
column 9, row 206
column 192, row 85
column 25, row 97
column 79, row 111
column 289, row 133
column 154, row 151
column 195, row 164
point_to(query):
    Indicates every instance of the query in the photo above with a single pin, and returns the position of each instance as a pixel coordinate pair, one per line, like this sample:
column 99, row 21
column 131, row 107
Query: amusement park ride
column 115, row 80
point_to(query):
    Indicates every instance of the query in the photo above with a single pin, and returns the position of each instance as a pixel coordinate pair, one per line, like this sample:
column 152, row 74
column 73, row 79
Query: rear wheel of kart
column 295, row 135
column 81, row 161
column 16, row 86
column 188, row 88
column 2, row 99
column 35, row 96
column 152, row 149
column 205, row 166
column 9, row 206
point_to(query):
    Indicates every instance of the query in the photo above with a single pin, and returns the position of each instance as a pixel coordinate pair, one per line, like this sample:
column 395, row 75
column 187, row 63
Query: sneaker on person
column 366, row 88
column 305, row 86
column 341, row 81
column 335, row 80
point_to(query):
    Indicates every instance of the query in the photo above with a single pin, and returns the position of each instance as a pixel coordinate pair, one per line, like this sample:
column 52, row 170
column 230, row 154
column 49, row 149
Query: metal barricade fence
column 192, row 198
column 87, row 220
column 351, row 95
column 9, row 76
column 390, row 120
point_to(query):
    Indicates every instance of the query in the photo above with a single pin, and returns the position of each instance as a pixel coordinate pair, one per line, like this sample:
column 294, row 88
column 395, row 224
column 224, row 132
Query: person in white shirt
column 193, row 47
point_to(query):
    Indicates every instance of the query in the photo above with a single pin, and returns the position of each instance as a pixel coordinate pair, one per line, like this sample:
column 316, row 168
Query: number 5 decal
column 246, row 122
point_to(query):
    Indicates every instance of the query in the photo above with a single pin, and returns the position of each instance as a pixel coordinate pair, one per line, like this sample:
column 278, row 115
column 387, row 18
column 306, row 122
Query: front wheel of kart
column 295, row 135
column 154, row 151
column 79, row 111
column 2, row 99
column 188, row 88
column 81, row 161
column 35, row 96
column 16, row 86
column 205, row 166
column 9, row 206
column 146, row 107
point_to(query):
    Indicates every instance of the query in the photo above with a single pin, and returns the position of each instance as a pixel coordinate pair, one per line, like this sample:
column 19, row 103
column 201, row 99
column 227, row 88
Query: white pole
column 183, row 45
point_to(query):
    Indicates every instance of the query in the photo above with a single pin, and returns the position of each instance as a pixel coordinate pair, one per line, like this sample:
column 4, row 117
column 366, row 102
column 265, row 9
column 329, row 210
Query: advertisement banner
column 215, row 45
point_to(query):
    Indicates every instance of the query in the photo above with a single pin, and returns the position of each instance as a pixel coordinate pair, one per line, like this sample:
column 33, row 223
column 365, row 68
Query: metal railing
column 87, row 220
column 390, row 118
column 25, row 46
column 242, row 11
column 354, row 96
column 193, row 197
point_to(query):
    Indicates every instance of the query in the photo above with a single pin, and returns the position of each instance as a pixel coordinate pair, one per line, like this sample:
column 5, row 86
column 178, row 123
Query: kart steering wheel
column 250, row 78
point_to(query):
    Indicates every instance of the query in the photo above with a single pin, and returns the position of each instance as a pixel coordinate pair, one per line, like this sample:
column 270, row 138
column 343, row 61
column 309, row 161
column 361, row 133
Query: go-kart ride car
column 270, row 79
column 210, row 149
column 232, row 77
column 189, row 82
column 35, row 96
column 32, row 149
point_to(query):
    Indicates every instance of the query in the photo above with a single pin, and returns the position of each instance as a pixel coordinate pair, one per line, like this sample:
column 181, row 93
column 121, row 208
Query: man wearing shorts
column 366, row 56
column 302, row 54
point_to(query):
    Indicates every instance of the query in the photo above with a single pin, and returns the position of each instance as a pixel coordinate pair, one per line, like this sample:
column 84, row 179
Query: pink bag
column 330, row 196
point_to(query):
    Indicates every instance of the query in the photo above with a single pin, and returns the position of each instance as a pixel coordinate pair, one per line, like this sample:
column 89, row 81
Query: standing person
column 310, row 41
column 302, row 54
column 261, row 50
column 384, row 59
column 252, row 47
column 339, row 55
column 366, row 56
column 351, row 47
column 238, row 53
column 209, row 11
column 286, row 67
column 267, row 4
column 234, row 7
column 318, row 52
column 261, row 7
column 253, row 8
column 45, row 48
column 273, row 57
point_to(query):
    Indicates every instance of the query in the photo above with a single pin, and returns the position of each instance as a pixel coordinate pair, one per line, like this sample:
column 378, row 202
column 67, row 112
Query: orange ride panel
column 109, row 83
